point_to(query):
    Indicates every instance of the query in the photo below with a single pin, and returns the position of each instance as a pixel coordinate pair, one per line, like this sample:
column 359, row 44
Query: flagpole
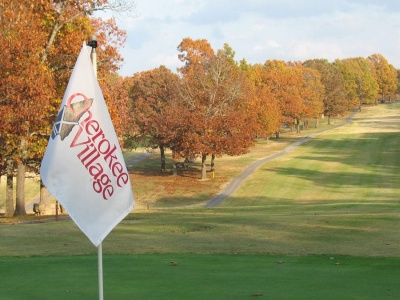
column 93, row 43
column 100, row 267
column 67, row 162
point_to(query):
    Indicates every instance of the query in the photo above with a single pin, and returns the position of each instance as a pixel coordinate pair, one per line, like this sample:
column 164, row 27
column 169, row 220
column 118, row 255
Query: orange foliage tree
column 297, row 89
column 215, row 92
column 385, row 75
column 334, row 94
column 264, row 106
column 26, row 88
column 284, row 82
column 155, row 109
column 39, row 42
column 312, row 92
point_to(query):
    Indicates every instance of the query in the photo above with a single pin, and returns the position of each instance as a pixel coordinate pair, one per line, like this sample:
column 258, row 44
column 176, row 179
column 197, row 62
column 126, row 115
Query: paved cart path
column 235, row 183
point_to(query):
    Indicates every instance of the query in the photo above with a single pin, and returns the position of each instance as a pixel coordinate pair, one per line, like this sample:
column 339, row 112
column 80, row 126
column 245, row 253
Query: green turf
column 368, row 230
column 201, row 277
column 353, row 164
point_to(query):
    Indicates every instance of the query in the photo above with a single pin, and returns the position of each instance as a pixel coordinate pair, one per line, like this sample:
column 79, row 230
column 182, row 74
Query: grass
column 340, row 229
column 358, row 163
column 188, row 276
column 329, row 209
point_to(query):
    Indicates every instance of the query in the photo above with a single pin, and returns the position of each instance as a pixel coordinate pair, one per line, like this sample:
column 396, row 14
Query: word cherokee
column 96, row 152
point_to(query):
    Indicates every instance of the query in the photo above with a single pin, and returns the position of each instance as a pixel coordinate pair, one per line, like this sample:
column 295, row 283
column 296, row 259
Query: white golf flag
column 83, row 166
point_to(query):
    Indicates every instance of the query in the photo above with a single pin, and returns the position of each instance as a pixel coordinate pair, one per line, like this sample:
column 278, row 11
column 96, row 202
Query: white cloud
column 170, row 61
column 261, row 30
column 269, row 44
column 173, row 10
column 308, row 50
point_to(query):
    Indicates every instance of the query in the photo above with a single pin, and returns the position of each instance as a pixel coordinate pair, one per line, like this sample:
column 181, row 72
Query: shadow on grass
column 343, row 179
column 151, row 167
column 371, row 159
column 379, row 149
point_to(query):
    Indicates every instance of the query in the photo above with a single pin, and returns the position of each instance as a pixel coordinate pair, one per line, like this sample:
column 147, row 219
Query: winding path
column 235, row 183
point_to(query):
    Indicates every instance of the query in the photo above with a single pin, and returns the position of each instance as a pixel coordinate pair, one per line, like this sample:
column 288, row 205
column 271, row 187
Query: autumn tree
column 264, row 105
column 284, row 83
column 311, row 91
column 40, row 41
column 153, row 108
column 214, row 89
column 116, row 94
column 359, row 81
column 26, row 88
column 194, row 53
column 297, row 89
column 334, row 95
column 385, row 75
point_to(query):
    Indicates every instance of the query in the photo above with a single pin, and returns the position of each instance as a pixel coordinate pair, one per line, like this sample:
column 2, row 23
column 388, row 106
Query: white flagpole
column 93, row 44
column 100, row 267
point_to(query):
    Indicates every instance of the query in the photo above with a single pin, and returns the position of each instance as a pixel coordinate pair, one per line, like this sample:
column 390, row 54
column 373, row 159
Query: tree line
column 212, row 106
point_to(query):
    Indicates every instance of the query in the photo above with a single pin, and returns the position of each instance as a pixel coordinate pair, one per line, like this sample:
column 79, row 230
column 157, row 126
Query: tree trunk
column 44, row 197
column 212, row 162
column 316, row 122
column 203, row 167
column 9, row 190
column 162, row 154
column 44, row 193
column 20, row 202
column 329, row 120
column 297, row 125
column 277, row 134
column 173, row 163
column 174, row 172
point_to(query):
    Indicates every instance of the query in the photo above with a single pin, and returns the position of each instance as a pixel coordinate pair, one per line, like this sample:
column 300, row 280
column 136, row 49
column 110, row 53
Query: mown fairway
column 329, row 210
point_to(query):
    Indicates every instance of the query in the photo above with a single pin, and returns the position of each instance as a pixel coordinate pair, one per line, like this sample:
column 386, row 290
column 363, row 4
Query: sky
column 261, row 30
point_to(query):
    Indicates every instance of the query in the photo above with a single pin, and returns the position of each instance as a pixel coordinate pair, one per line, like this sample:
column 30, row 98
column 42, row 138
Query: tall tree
column 334, row 95
column 285, row 82
column 215, row 93
column 26, row 88
column 116, row 94
column 385, row 75
column 264, row 106
column 153, row 101
column 312, row 91
column 40, row 40
column 367, row 86
column 194, row 53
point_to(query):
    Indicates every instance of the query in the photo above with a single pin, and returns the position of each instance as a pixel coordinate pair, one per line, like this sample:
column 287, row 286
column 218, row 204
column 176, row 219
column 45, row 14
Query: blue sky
column 258, row 30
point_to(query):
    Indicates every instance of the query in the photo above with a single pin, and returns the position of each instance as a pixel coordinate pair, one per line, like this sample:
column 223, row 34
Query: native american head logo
column 70, row 115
